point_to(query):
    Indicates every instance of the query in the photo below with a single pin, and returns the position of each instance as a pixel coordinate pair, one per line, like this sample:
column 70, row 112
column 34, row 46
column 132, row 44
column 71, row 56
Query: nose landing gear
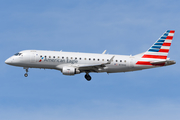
column 26, row 74
column 88, row 77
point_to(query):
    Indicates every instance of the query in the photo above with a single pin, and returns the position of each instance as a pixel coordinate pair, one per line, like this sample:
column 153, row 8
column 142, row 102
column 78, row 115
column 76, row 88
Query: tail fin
column 159, row 50
column 163, row 43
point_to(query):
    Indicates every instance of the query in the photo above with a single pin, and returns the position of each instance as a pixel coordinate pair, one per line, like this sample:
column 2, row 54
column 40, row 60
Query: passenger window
column 58, row 56
column 66, row 57
column 102, row 59
column 107, row 59
column 49, row 56
column 94, row 59
column 71, row 57
column 116, row 60
column 53, row 56
column 89, row 58
column 124, row 60
column 120, row 60
column 79, row 58
column 45, row 56
column 84, row 58
column 75, row 57
column 41, row 56
column 62, row 57
column 98, row 59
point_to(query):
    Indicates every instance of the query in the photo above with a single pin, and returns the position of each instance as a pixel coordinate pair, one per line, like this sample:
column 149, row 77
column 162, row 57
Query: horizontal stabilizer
column 157, row 63
column 167, row 62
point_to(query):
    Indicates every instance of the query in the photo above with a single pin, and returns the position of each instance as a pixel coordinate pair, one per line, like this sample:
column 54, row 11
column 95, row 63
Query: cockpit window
column 17, row 54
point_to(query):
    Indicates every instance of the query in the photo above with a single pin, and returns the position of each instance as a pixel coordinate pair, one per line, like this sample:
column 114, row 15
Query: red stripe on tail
column 169, row 37
column 172, row 31
column 143, row 63
column 166, row 44
column 155, row 56
column 164, row 50
column 149, row 63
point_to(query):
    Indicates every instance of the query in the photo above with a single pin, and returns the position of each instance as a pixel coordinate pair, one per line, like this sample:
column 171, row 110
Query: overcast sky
column 118, row 26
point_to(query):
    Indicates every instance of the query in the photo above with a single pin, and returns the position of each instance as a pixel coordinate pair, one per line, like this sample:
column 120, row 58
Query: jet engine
column 70, row 71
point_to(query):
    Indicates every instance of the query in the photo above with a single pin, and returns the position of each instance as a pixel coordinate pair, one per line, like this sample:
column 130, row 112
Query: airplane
column 71, row 63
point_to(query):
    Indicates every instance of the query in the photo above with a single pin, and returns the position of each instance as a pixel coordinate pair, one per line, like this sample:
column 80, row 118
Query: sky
column 118, row 26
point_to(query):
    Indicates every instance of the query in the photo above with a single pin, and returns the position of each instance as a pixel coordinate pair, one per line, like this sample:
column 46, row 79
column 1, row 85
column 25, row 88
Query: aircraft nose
column 8, row 61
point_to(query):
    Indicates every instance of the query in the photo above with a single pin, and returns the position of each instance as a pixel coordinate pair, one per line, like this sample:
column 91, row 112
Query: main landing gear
column 26, row 74
column 88, row 77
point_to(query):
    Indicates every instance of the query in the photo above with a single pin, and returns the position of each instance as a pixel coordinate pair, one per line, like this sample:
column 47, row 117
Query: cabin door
column 131, row 63
column 33, row 57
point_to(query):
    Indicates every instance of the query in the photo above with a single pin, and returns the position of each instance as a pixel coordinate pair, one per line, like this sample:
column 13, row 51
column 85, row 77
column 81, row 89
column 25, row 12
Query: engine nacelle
column 70, row 71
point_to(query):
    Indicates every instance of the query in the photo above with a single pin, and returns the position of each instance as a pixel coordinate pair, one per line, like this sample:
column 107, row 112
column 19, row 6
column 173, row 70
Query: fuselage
column 58, row 59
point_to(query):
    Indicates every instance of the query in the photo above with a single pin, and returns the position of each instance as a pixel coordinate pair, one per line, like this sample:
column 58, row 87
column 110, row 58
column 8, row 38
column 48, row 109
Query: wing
column 93, row 67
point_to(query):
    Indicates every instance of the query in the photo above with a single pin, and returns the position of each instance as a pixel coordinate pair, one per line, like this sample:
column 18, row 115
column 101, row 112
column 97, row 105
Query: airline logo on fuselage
column 58, row 60
column 41, row 59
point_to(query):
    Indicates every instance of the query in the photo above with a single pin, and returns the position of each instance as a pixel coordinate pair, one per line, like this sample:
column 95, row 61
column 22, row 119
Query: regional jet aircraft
column 71, row 63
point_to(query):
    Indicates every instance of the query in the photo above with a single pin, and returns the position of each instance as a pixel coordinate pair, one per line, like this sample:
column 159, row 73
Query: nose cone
column 8, row 61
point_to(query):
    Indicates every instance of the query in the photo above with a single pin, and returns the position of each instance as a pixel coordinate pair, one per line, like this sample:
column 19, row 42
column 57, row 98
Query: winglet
column 104, row 52
column 109, row 62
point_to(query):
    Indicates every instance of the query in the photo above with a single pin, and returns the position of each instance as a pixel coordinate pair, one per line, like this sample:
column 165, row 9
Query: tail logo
column 163, row 43
column 159, row 50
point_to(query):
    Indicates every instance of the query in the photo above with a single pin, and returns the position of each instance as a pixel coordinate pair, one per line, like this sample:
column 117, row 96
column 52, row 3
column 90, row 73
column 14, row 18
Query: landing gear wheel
column 25, row 74
column 88, row 77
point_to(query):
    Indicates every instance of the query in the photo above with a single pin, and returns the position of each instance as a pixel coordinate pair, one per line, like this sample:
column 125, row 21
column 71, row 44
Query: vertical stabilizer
column 159, row 50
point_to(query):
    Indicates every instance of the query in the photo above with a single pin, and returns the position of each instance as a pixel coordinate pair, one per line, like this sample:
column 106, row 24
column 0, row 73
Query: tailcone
column 170, row 62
